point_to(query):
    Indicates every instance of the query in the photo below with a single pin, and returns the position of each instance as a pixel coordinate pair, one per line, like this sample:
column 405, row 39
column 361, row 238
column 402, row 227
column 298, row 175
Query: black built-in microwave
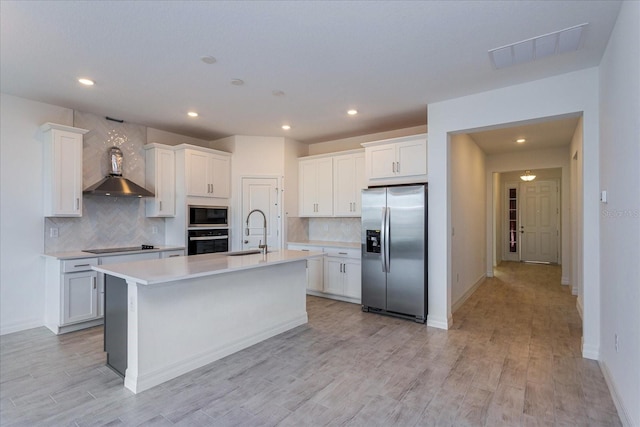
column 208, row 216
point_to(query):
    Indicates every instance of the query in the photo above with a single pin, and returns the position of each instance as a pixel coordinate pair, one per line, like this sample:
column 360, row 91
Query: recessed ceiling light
column 520, row 141
column 86, row 82
column 192, row 114
column 352, row 112
column 208, row 59
column 286, row 127
column 277, row 93
column 237, row 82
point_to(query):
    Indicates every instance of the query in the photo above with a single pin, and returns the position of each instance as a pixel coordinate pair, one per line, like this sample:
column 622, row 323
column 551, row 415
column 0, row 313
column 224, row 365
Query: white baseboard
column 564, row 281
column 9, row 328
column 439, row 322
column 579, row 307
column 622, row 412
column 590, row 351
column 574, row 290
column 147, row 380
column 467, row 294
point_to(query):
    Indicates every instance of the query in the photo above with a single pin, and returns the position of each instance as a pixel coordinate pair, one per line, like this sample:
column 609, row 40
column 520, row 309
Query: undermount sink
column 248, row 252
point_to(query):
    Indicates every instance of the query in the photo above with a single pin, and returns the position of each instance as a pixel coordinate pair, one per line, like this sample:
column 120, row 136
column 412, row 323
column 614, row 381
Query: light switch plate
column 603, row 196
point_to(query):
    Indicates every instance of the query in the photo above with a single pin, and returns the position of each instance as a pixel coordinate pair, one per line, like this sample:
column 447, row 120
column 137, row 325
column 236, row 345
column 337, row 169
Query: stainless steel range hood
column 115, row 184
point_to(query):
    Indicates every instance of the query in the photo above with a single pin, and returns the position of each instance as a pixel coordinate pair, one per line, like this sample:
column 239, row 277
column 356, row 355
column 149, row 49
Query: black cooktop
column 112, row 250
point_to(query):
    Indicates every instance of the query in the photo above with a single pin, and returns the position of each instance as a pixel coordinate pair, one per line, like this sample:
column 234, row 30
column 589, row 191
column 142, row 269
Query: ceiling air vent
column 567, row 40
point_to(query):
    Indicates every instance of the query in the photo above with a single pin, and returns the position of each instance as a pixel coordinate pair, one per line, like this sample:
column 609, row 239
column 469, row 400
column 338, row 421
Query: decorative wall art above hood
column 115, row 184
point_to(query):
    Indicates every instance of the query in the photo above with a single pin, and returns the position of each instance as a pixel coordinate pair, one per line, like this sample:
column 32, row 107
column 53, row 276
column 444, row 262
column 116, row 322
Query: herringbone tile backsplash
column 335, row 229
column 106, row 221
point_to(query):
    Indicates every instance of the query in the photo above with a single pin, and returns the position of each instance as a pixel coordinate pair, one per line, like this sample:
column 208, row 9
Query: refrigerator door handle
column 383, row 240
column 387, row 244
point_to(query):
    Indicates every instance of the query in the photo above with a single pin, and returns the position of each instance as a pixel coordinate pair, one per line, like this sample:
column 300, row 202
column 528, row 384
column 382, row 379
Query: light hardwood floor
column 512, row 358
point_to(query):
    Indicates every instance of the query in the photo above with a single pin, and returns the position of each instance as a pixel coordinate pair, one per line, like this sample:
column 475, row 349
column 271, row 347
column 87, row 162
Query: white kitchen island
column 179, row 314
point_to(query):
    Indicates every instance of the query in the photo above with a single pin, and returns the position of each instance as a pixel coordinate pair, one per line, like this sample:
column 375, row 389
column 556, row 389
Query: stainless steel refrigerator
column 394, row 251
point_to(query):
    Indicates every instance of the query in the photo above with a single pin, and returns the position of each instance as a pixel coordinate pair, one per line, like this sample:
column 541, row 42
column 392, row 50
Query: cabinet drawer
column 343, row 252
column 305, row 248
column 83, row 264
column 172, row 254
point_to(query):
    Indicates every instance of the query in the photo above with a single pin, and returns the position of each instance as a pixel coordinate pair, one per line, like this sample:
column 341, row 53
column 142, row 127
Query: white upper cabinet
column 348, row 181
column 396, row 161
column 316, row 187
column 160, row 175
column 62, row 170
column 207, row 173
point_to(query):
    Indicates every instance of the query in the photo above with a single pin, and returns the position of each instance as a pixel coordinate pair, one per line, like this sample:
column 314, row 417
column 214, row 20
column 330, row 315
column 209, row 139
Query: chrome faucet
column 260, row 245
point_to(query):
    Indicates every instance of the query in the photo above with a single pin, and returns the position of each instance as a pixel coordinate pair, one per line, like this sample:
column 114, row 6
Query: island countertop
column 156, row 271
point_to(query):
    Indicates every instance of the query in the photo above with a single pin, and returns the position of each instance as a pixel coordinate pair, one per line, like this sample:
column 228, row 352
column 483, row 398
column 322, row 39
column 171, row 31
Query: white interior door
column 539, row 221
column 260, row 193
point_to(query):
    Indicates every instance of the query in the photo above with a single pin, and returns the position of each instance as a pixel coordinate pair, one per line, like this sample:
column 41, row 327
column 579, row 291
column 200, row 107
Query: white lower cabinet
column 343, row 277
column 336, row 276
column 74, row 293
column 80, row 297
column 352, row 276
column 315, row 274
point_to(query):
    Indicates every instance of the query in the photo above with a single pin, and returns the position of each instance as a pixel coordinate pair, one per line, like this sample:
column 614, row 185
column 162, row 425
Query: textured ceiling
column 388, row 59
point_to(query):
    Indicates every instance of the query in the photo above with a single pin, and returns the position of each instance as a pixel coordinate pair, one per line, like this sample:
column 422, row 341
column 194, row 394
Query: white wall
column 292, row 150
column 253, row 156
column 538, row 161
column 21, row 210
column 577, row 213
column 355, row 141
column 569, row 93
column 169, row 138
column 468, row 217
column 496, row 217
column 620, row 216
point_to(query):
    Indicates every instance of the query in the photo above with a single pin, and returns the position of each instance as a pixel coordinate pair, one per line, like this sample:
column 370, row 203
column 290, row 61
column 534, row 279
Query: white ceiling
column 543, row 134
column 388, row 59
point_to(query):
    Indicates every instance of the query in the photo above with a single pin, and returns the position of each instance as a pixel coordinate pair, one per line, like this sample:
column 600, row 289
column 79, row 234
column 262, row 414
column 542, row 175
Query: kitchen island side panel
column 115, row 323
column 180, row 326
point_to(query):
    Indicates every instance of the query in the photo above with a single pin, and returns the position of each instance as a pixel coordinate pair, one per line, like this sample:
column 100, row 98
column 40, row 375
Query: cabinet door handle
column 93, row 279
column 81, row 265
column 342, row 253
column 160, row 204
column 398, row 167
column 77, row 203
column 344, row 268
column 393, row 167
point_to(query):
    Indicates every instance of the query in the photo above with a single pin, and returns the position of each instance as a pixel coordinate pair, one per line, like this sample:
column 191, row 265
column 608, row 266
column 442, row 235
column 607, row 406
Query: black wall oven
column 208, row 240
column 208, row 216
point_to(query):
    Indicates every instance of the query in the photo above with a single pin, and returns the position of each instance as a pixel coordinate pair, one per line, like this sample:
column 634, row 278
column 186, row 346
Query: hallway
column 512, row 358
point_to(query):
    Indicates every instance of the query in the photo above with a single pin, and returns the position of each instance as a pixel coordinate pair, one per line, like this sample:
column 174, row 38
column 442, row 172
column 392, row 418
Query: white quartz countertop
column 81, row 254
column 158, row 271
column 327, row 244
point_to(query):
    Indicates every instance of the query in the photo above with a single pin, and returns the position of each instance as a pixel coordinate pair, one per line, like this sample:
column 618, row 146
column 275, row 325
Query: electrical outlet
column 617, row 343
column 53, row 232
